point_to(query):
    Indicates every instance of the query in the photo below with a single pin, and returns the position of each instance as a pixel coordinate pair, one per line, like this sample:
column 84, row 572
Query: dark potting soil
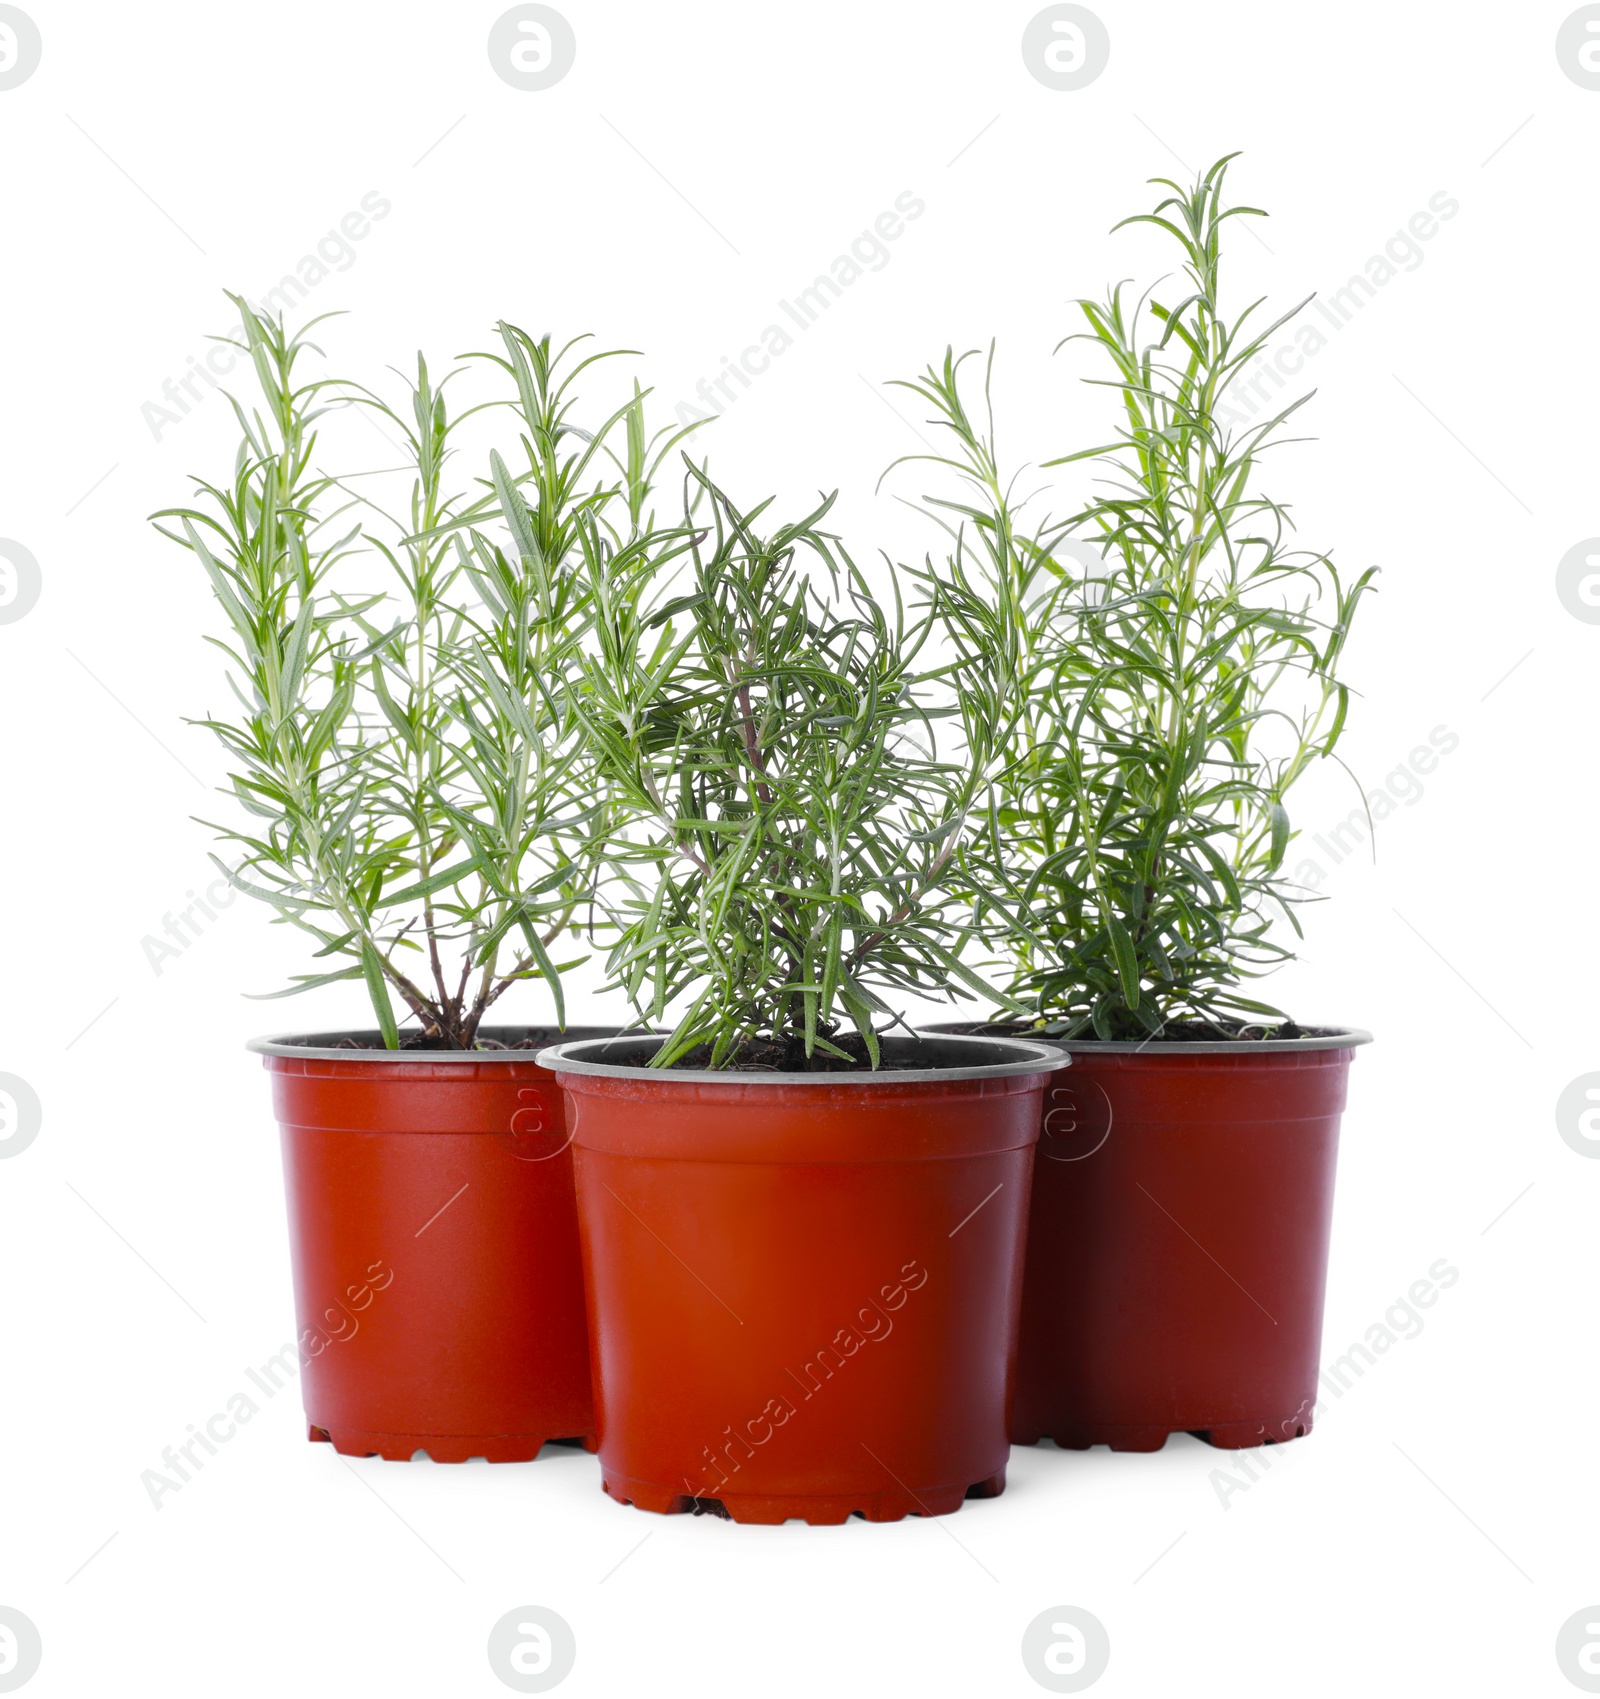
column 1174, row 1032
column 538, row 1038
column 788, row 1056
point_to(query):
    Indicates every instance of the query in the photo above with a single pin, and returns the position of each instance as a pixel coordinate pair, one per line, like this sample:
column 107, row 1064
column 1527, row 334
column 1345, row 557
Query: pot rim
column 1031, row 1057
column 1315, row 1038
column 321, row 1046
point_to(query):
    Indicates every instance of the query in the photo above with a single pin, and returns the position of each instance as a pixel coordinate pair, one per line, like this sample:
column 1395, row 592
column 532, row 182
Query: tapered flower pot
column 1178, row 1243
column 434, row 1237
column 804, row 1287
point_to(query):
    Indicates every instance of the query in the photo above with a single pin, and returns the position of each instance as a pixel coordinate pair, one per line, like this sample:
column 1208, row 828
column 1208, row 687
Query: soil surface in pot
column 1174, row 1032
column 536, row 1038
column 788, row 1056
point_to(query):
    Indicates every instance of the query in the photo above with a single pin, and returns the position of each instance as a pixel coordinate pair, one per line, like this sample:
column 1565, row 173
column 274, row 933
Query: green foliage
column 759, row 714
column 1131, row 861
column 550, row 715
column 418, row 798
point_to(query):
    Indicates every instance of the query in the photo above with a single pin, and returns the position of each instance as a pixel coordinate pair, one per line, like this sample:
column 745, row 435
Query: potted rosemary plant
column 409, row 794
column 802, row 1229
column 1132, row 868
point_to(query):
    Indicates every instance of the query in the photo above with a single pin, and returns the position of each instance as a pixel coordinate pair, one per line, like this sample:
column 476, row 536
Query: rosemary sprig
column 1132, row 860
column 760, row 715
column 420, row 801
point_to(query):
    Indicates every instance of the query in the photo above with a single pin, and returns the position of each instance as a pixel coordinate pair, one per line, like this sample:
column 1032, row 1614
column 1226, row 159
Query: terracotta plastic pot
column 804, row 1287
column 433, row 1228
column 1178, row 1244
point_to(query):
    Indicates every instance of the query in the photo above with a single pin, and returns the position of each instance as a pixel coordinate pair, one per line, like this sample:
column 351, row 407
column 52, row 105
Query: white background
column 1437, row 1529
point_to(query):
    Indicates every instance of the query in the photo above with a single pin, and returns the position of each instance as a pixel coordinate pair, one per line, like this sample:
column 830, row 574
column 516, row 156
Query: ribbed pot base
column 817, row 1509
